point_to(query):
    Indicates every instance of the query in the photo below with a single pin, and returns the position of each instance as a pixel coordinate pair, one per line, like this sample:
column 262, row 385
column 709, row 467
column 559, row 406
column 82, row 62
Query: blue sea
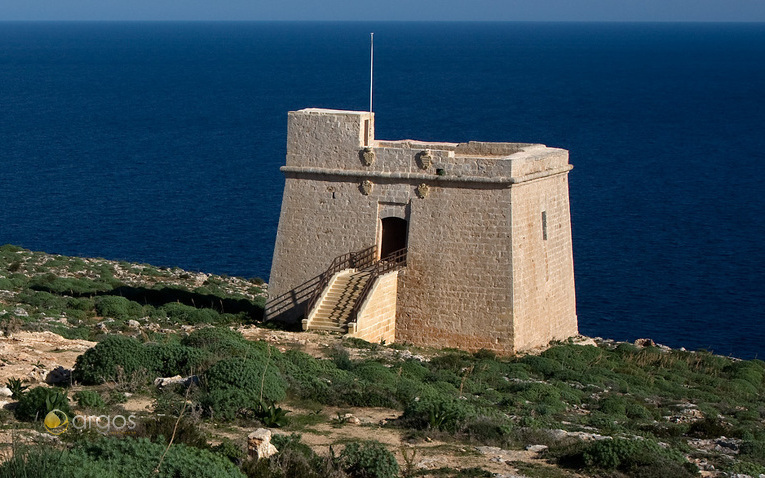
column 161, row 143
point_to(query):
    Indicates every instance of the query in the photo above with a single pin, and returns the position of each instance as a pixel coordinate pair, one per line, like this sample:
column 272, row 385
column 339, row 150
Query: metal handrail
column 392, row 261
column 350, row 260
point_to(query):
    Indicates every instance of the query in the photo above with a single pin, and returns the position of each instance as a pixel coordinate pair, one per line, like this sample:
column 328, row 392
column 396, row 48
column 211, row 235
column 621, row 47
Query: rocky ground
column 30, row 350
column 33, row 355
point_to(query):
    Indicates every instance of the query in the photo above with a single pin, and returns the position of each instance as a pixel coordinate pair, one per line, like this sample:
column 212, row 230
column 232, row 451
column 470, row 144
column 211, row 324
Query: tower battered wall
column 480, row 272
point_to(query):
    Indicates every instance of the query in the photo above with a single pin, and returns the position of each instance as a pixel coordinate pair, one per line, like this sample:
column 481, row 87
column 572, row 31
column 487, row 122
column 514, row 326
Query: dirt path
column 428, row 454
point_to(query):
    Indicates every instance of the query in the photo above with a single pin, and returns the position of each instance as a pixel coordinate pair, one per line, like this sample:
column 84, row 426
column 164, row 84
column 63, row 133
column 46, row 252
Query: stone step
column 328, row 328
column 334, row 310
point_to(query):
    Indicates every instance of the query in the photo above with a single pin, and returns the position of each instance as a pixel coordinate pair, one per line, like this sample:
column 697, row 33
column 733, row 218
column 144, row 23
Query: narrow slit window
column 366, row 132
column 544, row 225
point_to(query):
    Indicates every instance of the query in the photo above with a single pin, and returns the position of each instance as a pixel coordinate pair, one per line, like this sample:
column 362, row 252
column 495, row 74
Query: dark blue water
column 161, row 143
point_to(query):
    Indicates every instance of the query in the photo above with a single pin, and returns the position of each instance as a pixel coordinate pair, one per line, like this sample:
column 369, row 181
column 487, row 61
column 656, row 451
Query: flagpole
column 371, row 66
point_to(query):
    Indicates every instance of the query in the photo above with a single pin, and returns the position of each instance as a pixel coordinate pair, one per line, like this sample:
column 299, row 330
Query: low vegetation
column 607, row 409
column 88, row 298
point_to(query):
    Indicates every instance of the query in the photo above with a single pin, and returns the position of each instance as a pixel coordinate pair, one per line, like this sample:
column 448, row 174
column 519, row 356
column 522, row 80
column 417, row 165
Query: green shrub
column 138, row 458
column 10, row 248
column 613, row 405
column 118, row 307
column 16, row 281
column 295, row 459
column 574, row 357
column 73, row 333
column 413, row 369
column 89, row 399
column 48, row 462
column 369, row 459
column 234, row 384
column 43, row 300
column 753, row 451
column 747, row 468
column 739, row 389
column 407, row 390
column 314, row 379
column 709, row 427
column 373, row 371
column 636, row 411
column 220, row 341
column 357, row 343
column 61, row 286
column 6, row 284
column 185, row 314
column 376, row 386
column 100, row 363
column 452, row 361
column 37, row 402
column 439, row 412
column 341, row 358
column 173, row 358
column 606, row 424
column 487, row 430
column 159, row 428
column 538, row 393
column 751, row 371
column 543, row 366
column 625, row 349
column 230, row 450
column 630, row 455
column 747, row 415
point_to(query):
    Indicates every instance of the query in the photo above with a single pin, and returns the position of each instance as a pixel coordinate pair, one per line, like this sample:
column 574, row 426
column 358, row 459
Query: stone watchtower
column 441, row 244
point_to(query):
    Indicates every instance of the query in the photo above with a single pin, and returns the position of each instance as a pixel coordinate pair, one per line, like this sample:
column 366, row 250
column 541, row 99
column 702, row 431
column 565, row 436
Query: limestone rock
column 161, row 382
column 536, row 448
column 431, row 463
column 134, row 324
column 19, row 312
column 645, row 343
column 5, row 392
column 351, row 419
column 259, row 444
column 558, row 434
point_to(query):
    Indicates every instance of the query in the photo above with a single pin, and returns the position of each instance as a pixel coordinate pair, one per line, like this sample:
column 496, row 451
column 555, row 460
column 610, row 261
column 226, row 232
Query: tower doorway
column 394, row 232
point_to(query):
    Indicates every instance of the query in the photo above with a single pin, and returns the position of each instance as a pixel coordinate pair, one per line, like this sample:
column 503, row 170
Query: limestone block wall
column 328, row 138
column 320, row 220
column 320, row 217
column 543, row 271
column 457, row 287
column 376, row 321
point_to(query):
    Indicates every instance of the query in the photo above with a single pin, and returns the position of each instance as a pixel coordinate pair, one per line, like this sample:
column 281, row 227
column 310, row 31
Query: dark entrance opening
column 393, row 235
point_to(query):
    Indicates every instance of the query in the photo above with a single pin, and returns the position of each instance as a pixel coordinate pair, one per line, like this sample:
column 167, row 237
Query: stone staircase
column 335, row 306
